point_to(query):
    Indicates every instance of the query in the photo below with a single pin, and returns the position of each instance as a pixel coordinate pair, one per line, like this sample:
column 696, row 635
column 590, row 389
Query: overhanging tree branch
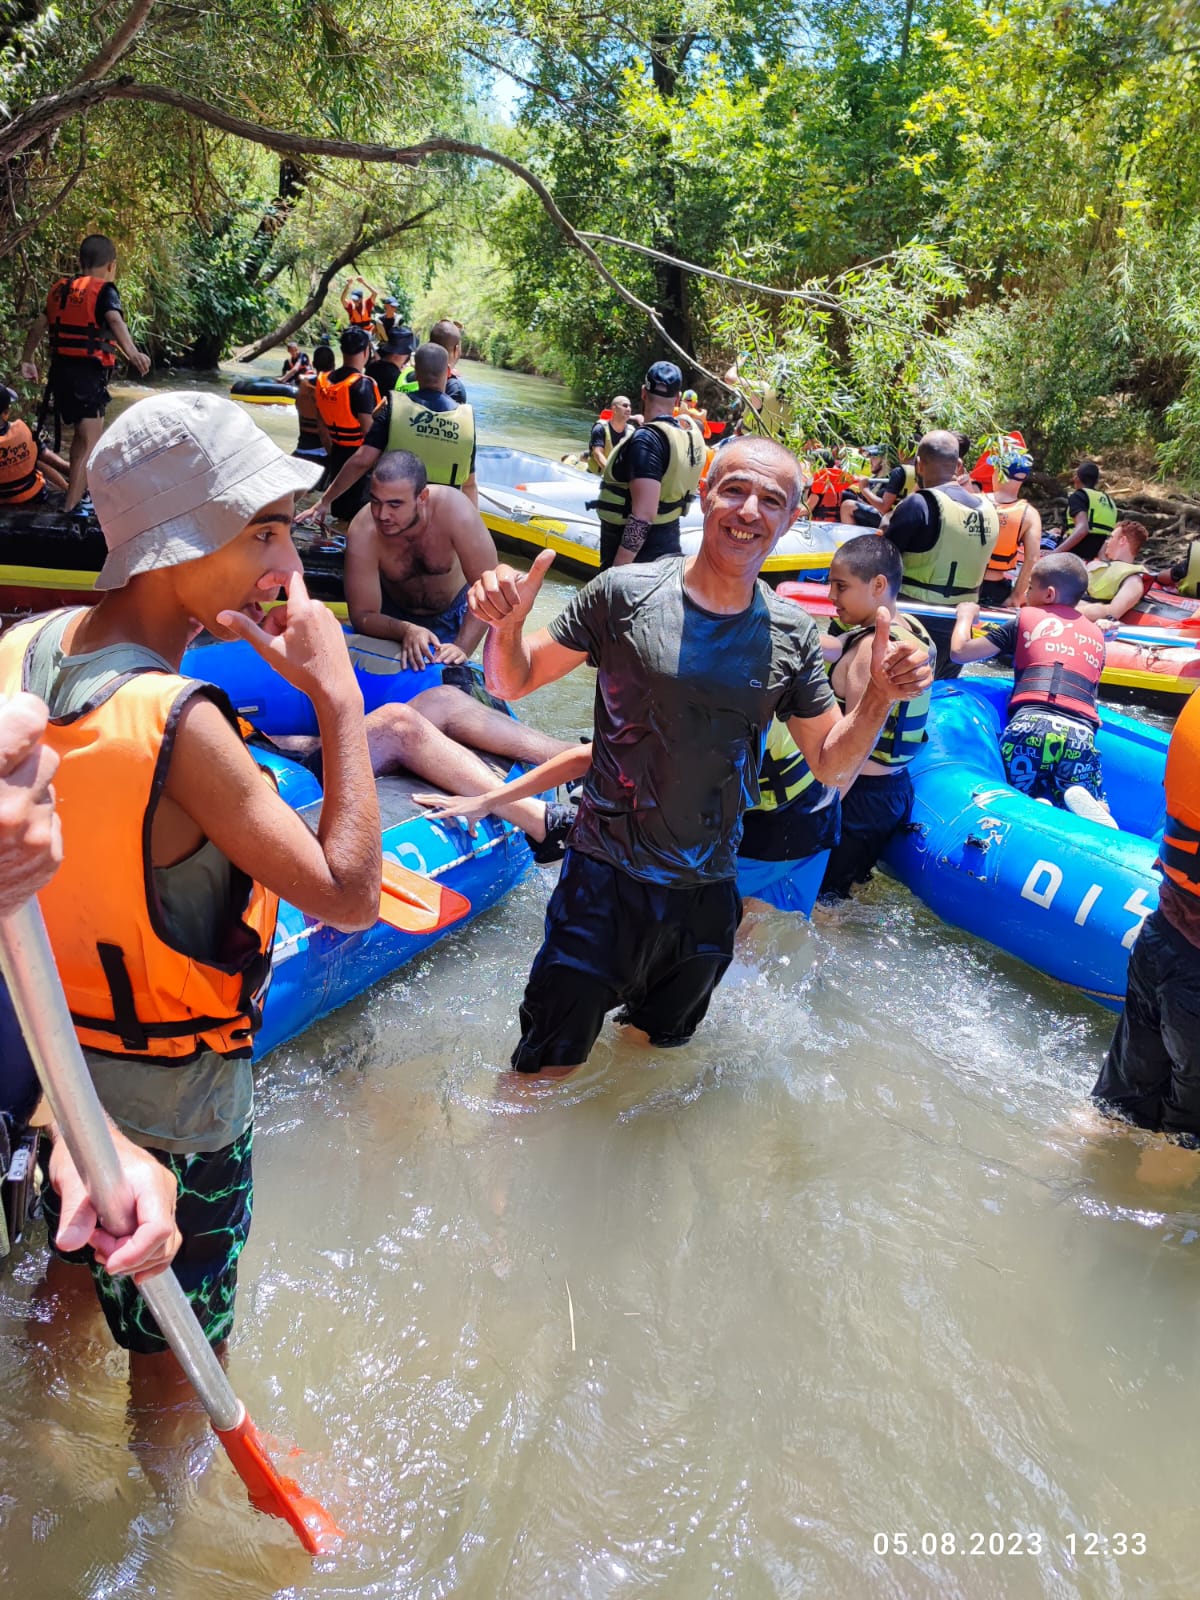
column 119, row 45
column 360, row 245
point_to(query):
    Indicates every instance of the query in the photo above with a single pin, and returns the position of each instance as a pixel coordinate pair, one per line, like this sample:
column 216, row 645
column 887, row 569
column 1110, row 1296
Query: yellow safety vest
column 1103, row 582
column 910, row 480
column 443, row 440
column 783, row 773
column 1189, row 584
column 769, row 419
column 609, row 447
column 903, row 733
column 1102, row 512
column 680, row 481
column 953, row 569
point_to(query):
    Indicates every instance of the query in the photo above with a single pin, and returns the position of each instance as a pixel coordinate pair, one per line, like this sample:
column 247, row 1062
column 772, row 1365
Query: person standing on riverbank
column 87, row 329
column 694, row 659
column 650, row 478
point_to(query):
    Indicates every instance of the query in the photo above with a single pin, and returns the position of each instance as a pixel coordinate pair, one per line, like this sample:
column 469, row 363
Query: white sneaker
column 1078, row 800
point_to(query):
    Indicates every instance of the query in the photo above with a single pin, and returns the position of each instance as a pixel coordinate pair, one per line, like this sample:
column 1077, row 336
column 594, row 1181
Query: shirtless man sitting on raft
column 412, row 553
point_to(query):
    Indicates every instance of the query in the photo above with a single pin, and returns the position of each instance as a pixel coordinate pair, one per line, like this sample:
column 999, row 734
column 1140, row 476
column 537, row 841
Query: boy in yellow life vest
column 1091, row 514
column 865, row 575
column 1117, row 580
column 176, row 849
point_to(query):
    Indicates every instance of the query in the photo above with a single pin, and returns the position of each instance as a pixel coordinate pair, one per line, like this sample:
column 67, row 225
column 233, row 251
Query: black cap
column 400, row 342
column 664, row 378
column 354, row 341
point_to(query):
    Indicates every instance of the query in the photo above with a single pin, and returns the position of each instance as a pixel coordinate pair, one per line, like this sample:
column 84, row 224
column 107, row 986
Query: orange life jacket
column 74, row 330
column 1006, row 552
column 361, row 313
column 130, row 990
column 333, row 402
column 20, row 479
column 1058, row 661
column 1179, row 855
column 827, row 485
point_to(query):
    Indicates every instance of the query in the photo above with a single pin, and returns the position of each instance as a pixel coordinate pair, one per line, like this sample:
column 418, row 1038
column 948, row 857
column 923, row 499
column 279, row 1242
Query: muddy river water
column 839, row 1301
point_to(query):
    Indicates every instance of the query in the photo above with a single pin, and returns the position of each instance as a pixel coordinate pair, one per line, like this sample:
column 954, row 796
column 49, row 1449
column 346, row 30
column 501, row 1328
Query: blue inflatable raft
column 316, row 968
column 1056, row 890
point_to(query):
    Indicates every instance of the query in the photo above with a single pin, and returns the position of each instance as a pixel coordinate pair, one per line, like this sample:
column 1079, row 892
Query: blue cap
column 664, row 378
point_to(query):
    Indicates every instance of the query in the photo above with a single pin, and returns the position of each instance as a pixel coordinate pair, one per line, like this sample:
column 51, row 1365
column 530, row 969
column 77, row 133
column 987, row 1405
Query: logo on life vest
column 435, row 425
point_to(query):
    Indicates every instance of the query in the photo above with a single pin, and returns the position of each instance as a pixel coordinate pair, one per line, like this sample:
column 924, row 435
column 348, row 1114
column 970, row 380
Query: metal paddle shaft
column 33, row 983
column 41, row 1007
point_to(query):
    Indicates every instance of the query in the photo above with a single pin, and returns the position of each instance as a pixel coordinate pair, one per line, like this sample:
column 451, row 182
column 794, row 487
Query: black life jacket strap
column 1054, row 682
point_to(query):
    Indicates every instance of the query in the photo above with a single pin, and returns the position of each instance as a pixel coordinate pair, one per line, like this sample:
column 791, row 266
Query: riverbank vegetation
column 922, row 211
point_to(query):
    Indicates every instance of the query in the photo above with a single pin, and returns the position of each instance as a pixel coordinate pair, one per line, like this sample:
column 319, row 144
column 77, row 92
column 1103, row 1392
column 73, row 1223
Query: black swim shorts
column 612, row 940
column 80, row 390
column 213, row 1215
column 873, row 808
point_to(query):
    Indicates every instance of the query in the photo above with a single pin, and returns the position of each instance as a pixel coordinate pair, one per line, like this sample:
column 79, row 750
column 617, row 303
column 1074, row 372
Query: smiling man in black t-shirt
column 693, row 657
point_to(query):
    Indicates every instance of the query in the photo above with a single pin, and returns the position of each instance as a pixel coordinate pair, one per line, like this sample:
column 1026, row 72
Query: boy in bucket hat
column 175, row 848
column 650, row 477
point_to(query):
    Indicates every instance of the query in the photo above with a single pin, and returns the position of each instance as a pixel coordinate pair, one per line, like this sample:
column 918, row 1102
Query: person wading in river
column 695, row 657
column 176, row 850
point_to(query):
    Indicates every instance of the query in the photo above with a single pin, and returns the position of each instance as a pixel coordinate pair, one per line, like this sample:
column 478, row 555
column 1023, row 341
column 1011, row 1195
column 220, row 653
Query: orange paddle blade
column 413, row 903
column 276, row 1495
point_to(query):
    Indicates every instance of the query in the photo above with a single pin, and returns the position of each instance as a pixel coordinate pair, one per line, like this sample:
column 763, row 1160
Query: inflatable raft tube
column 531, row 504
column 1140, row 664
column 263, row 392
column 1061, row 893
column 316, row 968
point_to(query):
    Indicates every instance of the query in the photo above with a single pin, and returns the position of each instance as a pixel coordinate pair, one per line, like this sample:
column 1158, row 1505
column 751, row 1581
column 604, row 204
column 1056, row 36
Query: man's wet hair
column 446, row 333
column 323, row 358
column 1065, row 573
column 96, row 251
column 431, row 365
column 1136, row 532
column 940, row 446
column 1088, row 473
column 867, row 556
column 765, row 449
column 401, row 466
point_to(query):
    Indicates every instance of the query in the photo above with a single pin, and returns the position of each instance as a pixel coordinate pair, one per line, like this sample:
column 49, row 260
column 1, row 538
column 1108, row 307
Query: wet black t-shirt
column 682, row 698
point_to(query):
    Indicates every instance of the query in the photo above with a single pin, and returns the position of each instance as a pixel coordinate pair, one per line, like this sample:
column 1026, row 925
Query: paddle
column 41, row 1006
column 413, row 903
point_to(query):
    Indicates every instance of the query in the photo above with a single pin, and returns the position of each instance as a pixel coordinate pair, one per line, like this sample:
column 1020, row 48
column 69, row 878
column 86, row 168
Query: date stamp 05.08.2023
column 993, row 1542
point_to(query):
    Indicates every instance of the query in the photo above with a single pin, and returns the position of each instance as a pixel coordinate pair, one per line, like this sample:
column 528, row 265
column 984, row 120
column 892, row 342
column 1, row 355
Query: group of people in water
column 736, row 751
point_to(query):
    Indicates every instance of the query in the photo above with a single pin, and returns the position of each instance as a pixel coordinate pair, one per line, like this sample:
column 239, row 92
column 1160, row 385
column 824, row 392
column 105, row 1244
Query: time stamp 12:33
column 978, row 1542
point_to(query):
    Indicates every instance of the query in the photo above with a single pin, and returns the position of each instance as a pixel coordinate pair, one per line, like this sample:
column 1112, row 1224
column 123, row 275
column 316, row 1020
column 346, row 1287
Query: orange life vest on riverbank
column 131, row 992
column 1058, row 661
column 333, row 402
column 74, row 331
column 20, row 479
